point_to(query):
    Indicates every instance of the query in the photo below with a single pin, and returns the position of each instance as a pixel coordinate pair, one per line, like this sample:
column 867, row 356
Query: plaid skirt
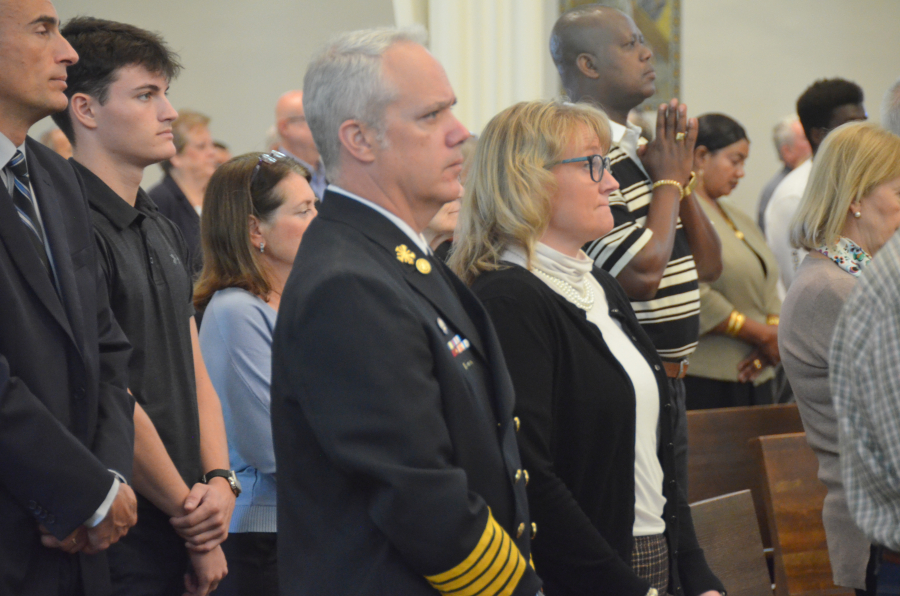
column 650, row 561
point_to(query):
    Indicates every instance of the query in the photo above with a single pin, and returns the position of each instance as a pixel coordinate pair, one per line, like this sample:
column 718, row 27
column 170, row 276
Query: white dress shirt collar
column 417, row 238
column 628, row 138
column 7, row 150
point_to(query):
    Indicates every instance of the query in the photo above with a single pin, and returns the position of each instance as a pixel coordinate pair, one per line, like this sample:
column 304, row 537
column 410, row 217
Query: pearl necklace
column 583, row 301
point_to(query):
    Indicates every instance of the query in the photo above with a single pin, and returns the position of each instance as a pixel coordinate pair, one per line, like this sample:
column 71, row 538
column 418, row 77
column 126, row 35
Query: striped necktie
column 21, row 195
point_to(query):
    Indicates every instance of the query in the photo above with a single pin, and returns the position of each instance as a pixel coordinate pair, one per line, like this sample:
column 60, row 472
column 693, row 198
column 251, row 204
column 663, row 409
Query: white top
column 629, row 138
column 778, row 217
column 648, row 473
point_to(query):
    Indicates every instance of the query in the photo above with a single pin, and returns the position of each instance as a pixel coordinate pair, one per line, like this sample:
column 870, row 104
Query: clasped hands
column 120, row 518
column 204, row 526
column 763, row 355
column 208, row 509
column 670, row 155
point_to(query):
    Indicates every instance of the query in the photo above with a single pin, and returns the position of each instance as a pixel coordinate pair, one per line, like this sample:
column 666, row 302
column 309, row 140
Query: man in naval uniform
column 398, row 471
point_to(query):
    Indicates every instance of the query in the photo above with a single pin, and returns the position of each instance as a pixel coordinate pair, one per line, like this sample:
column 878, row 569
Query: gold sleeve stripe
column 487, row 538
column 479, row 575
column 493, row 568
column 480, row 585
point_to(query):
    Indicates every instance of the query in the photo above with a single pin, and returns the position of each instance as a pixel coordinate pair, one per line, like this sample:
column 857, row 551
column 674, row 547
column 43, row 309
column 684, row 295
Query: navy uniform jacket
column 398, row 471
column 65, row 417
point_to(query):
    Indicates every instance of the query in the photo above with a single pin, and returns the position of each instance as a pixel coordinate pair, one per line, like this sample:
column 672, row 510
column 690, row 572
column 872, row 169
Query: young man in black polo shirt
column 119, row 122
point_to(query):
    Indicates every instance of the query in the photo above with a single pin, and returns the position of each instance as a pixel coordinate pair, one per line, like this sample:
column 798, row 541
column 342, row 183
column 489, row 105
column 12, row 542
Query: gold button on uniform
column 525, row 472
column 533, row 530
column 423, row 266
column 518, row 423
column 521, row 530
column 518, row 475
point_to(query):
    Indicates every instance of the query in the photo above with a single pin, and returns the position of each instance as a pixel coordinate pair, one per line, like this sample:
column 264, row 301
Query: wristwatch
column 228, row 475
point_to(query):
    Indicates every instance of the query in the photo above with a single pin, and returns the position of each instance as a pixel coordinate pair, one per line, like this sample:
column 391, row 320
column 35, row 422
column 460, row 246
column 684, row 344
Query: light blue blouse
column 236, row 342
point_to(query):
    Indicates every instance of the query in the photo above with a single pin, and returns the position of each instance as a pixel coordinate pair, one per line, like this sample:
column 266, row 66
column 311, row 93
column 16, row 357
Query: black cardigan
column 577, row 409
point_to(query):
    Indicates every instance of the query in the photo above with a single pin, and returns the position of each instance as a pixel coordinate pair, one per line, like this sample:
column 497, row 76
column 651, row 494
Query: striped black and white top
column 672, row 317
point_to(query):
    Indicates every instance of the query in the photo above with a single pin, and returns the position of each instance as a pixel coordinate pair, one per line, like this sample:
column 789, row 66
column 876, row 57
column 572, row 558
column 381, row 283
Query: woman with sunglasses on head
column 591, row 392
column 256, row 209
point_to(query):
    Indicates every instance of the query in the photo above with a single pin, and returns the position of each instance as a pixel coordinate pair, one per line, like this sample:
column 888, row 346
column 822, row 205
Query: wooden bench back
column 720, row 460
column 793, row 497
column 728, row 532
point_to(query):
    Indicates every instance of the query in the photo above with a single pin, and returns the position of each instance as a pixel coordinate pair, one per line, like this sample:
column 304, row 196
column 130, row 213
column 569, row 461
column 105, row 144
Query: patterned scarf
column 847, row 255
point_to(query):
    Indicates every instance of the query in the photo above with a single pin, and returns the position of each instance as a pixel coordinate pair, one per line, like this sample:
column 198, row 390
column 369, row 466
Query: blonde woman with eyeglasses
column 591, row 392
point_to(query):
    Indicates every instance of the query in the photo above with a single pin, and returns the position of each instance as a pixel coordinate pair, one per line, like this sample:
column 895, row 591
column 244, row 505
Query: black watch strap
column 228, row 475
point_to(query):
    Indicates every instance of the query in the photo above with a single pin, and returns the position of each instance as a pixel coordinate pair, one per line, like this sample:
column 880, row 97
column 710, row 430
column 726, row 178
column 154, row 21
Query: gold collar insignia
column 404, row 255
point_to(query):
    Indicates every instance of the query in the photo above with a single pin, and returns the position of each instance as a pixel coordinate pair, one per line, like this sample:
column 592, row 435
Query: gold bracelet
column 674, row 183
column 735, row 323
column 731, row 319
column 692, row 183
column 772, row 320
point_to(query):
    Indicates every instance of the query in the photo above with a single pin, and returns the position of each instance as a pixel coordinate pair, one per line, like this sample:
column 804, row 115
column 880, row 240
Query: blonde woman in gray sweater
column 849, row 210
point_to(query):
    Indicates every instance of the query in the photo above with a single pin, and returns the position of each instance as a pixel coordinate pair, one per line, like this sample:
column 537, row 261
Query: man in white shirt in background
column 824, row 106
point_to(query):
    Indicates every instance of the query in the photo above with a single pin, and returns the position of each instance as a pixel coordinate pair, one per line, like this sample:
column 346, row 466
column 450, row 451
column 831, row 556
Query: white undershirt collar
column 628, row 138
column 419, row 239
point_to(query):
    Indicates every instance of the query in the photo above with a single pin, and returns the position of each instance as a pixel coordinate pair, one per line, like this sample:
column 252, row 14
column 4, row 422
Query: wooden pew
column 728, row 531
column 720, row 460
column 793, row 499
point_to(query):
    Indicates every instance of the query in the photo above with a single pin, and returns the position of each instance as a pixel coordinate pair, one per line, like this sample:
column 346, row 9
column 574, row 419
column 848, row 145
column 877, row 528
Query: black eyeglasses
column 597, row 163
column 270, row 157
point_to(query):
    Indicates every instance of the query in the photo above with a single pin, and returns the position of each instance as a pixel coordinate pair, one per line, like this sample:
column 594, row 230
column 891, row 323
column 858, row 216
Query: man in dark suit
column 66, row 435
column 398, row 471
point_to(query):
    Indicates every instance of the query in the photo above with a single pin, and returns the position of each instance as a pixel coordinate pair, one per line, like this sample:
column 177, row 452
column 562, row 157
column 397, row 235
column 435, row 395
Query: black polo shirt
column 144, row 257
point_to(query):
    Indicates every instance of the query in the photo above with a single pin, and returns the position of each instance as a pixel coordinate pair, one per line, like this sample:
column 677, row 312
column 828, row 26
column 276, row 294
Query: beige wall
column 752, row 60
column 748, row 59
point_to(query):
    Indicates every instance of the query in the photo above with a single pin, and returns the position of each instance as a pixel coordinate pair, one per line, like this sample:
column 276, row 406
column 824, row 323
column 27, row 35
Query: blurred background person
column 179, row 195
column 296, row 141
column 270, row 141
column 257, row 208
column 850, row 208
column 56, row 140
column 890, row 109
column 738, row 346
column 792, row 149
column 591, row 391
column 223, row 153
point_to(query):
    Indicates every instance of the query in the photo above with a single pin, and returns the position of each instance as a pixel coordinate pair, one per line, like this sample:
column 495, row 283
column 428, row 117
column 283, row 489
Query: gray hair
column 890, row 109
column 783, row 133
column 345, row 82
